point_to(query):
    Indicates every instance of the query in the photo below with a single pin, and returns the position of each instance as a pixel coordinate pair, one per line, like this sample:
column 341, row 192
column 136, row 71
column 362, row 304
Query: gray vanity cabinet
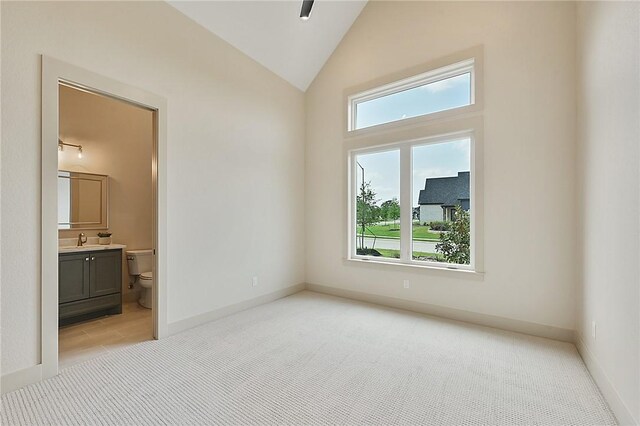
column 89, row 285
column 74, row 276
column 105, row 274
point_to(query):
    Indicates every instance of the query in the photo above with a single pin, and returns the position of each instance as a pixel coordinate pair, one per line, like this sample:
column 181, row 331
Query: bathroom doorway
column 105, row 210
column 103, row 224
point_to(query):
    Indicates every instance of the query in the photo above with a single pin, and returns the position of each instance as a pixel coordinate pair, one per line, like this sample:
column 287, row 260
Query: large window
column 438, row 213
column 439, row 90
column 413, row 187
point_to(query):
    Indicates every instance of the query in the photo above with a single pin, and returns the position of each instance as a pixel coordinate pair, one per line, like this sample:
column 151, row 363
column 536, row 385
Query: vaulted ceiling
column 272, row 33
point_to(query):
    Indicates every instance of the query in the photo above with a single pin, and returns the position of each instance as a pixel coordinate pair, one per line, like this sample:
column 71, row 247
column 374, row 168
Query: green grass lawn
column 420, row 232
column 396, row 254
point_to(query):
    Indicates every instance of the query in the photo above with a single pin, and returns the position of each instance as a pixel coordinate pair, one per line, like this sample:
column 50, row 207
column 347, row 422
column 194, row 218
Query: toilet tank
column 139, row 261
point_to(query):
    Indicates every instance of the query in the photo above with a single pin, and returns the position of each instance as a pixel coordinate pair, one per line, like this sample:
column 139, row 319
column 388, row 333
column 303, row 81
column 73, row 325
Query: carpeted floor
column 315, row 359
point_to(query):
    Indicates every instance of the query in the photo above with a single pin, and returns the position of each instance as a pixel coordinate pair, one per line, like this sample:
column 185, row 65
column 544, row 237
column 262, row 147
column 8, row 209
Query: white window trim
column 443, row 125
column 466, row 66
column 406, row 207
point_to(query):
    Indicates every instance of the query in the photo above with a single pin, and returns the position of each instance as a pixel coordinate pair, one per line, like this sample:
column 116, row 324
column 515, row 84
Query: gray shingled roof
column 448, row 191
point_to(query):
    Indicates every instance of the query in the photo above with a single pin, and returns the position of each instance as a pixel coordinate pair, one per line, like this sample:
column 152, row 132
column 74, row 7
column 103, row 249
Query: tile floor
column 86, row 340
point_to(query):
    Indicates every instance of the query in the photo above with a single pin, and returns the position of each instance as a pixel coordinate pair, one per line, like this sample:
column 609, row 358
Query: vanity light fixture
column 61, row 146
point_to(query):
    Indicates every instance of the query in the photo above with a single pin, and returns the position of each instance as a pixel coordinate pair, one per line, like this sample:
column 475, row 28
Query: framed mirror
column 83, row 200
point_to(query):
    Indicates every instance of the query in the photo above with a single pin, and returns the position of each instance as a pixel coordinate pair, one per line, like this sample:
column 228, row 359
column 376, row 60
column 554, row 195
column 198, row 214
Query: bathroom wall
column 529, row 154
column 608, row 198
column 117, row 140
column 235, row 142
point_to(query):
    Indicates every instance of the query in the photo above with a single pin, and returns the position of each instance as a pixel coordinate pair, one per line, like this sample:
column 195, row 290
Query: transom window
column 435, row 91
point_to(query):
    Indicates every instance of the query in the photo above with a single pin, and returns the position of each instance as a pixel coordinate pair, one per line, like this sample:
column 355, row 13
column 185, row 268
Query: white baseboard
column 185, row 324
column 17, row 379
column 502, row 323
column 621, row 411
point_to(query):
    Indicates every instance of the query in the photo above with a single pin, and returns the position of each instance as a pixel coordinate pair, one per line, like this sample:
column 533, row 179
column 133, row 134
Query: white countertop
column 90, row 247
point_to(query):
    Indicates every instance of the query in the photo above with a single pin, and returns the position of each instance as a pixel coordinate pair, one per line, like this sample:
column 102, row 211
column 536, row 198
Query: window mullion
column 406, row 215
column 353, row 183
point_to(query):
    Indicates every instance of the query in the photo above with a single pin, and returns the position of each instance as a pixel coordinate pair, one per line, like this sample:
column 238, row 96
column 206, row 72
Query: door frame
column 53, row 73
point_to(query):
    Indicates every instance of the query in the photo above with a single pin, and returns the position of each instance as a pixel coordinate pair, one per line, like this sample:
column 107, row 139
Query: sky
column 437, row 96
column 443, row 159
column 433, row 160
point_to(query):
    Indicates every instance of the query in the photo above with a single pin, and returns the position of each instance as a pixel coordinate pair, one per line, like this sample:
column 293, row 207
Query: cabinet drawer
column 72, row 309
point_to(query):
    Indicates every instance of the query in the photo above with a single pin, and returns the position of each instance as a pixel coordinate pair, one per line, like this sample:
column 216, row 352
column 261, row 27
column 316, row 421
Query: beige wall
column 235, row 140
column 117, row 140
column 529, row 142
column 608, row 243
column 1, row 138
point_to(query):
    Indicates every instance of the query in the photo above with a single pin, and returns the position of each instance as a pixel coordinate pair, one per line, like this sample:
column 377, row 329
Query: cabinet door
column 73, row 277
column 106, row 273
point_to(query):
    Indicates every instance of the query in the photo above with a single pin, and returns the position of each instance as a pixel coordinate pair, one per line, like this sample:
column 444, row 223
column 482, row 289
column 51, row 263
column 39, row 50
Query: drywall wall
column 609, row 185
column 529, row 144
column 0, row 201
column 235, row 144
column 117, row 140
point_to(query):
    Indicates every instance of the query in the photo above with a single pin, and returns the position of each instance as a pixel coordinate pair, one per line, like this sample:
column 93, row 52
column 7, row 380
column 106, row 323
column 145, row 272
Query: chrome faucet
column 81, row 239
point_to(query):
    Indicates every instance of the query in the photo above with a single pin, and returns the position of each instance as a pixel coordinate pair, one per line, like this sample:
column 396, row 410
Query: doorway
column 99, row 267
column 105, row 210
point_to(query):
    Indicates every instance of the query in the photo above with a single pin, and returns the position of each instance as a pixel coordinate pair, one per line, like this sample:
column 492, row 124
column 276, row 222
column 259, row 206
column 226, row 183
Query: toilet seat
column 146, row 276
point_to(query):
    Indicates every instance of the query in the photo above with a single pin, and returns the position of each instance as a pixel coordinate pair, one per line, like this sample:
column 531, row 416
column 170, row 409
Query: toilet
column 140, row 263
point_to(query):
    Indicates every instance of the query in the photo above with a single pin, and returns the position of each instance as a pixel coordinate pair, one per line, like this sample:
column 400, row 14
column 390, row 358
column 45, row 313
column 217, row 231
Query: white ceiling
column 272, row 33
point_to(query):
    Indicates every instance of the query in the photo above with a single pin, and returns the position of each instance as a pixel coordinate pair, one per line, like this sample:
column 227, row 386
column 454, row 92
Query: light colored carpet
column 315, row 359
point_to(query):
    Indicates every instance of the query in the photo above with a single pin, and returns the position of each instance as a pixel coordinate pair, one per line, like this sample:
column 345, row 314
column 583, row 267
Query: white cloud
column 464, row 147
column 432, row 172
column 438, row 86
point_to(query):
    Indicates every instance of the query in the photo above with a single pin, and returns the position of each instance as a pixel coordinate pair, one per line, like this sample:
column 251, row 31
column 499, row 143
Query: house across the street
column 440, row 197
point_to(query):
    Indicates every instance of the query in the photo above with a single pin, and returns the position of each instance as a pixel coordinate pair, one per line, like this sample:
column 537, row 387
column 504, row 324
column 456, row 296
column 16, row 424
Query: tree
column 390, row 210
column 454, row 244
column 366, row 210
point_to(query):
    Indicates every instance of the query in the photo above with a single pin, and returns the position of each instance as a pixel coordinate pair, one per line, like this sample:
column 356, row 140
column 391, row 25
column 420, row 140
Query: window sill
column 470, row 273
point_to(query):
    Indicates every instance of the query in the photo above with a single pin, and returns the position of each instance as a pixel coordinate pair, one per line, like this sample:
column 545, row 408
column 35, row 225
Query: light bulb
column 80, row 152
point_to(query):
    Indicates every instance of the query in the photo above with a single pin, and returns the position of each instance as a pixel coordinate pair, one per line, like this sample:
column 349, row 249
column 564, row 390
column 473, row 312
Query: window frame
column 405, row 148
column 403, row 134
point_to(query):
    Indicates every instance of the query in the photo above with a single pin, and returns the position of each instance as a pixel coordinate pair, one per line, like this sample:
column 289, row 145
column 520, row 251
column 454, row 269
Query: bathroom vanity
column 90, row 282
column 89, row 275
